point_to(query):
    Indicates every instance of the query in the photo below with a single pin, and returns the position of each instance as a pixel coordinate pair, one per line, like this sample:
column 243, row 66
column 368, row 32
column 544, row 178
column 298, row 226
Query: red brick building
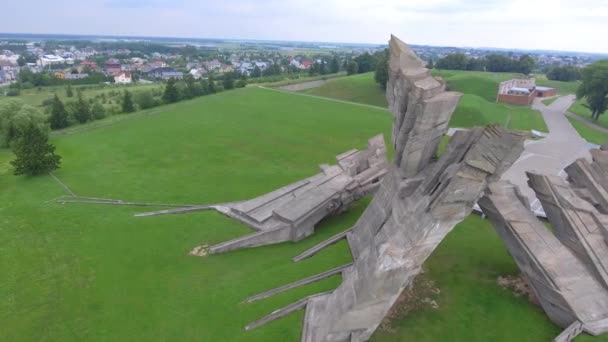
column 522, row 91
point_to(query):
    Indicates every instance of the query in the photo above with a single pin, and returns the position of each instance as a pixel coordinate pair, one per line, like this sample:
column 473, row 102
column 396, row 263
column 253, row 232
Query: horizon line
column 296, row 41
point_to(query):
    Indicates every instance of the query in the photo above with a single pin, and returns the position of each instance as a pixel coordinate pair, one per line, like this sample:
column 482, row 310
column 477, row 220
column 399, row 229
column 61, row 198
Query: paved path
column 562, row 146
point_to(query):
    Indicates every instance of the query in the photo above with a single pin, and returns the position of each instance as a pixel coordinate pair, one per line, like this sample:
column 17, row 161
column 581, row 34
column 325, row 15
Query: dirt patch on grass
column 518, row 286
column 421, row 294
column 303, row 86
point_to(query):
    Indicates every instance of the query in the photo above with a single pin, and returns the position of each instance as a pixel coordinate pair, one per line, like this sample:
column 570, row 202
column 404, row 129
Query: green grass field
column 478, row 106
column 588, row 133
column 549, row 101
column 579, row 108
column 36, row 97
column 83, row 272
column 357, row 88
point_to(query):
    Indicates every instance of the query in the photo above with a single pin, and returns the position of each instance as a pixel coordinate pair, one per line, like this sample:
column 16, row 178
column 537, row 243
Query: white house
column 123, row 78
column 50, row 60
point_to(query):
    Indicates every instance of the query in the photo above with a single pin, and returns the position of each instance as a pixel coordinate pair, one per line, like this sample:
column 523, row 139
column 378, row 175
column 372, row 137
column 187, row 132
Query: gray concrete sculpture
column 291, row 212
column 566, row 266
column 419, row 201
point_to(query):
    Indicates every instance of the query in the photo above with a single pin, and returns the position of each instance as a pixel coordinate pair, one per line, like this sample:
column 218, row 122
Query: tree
column 21, row 61
column 454, row 61
column 68, row 91
column 34, row 154
column 334, row 65
column 212, row 88
column 256, row 72
column 14, row 117
column 499, row 63
column 127, row 102
column 82, row 112
column 594, row 88
column 476, row 64
column 430, row 64
column 352, row 68
column 98, row 112
column 59, row 116
column 228, row 80
column 566, row 73
column 526, row 64
column 191, row 91
column 146, row 100
column 365, row 63
column 171, row 94
column 381, row 74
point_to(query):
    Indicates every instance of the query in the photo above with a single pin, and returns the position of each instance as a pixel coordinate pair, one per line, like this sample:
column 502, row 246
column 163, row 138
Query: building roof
column 523, row 90
column 544, row 88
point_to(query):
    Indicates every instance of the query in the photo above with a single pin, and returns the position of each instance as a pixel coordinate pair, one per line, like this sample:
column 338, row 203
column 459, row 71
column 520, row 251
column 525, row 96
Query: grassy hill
column 357, row 88
column 83, row 272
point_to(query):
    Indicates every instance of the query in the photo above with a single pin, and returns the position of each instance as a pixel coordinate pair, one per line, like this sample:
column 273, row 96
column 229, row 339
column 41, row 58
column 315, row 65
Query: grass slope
column 357, row 88
column 35, row 96
column 79, row 272
column 588, row 133
column 478, row 106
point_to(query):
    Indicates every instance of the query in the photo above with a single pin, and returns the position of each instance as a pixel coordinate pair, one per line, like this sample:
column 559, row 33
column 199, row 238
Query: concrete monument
column 566, row 266
column 419, row 201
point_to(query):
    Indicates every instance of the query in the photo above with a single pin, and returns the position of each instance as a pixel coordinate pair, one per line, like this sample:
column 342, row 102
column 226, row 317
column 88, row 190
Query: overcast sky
column 575, row 25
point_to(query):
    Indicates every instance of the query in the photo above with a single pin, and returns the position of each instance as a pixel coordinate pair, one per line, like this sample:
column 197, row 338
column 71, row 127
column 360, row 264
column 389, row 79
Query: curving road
column 562, row 146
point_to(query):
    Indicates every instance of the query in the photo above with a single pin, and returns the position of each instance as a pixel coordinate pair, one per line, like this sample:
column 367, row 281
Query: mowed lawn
column 360, row 88
column 477, row 107
column 86, row 272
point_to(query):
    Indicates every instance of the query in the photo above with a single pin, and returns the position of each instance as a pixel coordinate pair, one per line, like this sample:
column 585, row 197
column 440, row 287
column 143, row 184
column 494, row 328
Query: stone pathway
column 562, row 146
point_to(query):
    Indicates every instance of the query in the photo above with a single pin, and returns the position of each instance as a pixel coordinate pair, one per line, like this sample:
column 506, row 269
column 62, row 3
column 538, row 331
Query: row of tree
column 495, row 63
column 564, row 73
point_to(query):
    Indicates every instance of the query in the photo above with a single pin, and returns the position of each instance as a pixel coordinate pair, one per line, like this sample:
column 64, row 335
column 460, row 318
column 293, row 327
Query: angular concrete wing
column 291, row 212
column 560, row 267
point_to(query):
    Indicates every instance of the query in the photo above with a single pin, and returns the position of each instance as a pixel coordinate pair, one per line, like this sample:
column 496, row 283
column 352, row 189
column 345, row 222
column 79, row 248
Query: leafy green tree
column 204, row 86
column 366, row 63
column 526, row 64
column 256, row 72
column 500, row 63
column 352, row 68
column 171, row 93
column 127, row 104
column 594, row 88
column 454, row 61
column 146, row 100
column 334, row 65
column 98, row 111
column 21, row 61
column 191, row 90
column 59, row 116
column 212, row 87
column 34, row 154
column 82, row 111
column 430, row 64
column 68, row 91
column 381, row 74
column 14, row 116
column 228, row 81
column 565, row 74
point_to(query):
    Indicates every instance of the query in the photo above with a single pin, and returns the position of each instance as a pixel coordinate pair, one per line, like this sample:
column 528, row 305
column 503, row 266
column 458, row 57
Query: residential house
column 165, row 73
column 88, row 64
column 124, row 77
column 78, row 76
column 47, row 60
column 198, row 73
column 113, row 67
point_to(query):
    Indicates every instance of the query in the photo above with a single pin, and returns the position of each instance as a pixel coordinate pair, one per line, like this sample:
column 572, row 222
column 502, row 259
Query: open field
column 35, row 97
column 357, row 88
column 80, row 272
column 578, row 108
column 477, row 107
